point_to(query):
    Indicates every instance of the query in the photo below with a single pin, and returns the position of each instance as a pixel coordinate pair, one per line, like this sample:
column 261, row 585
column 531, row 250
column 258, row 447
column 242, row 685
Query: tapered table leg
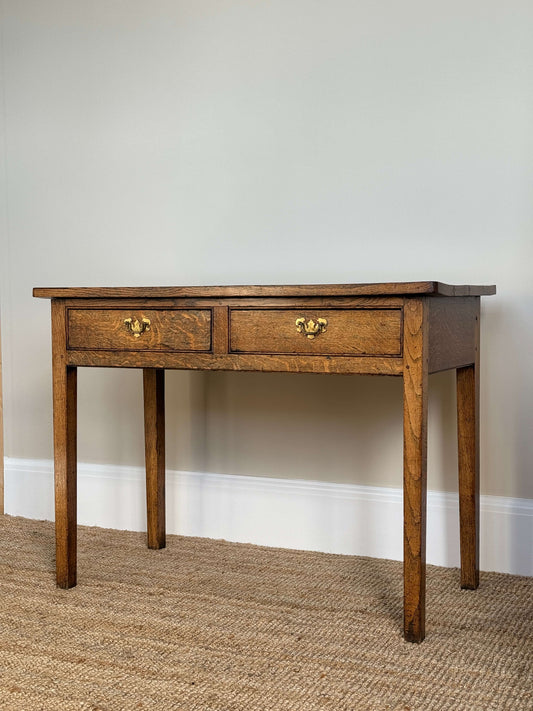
column 468, row 450
column 154, row 437
column 415, row 381
column 64, row 397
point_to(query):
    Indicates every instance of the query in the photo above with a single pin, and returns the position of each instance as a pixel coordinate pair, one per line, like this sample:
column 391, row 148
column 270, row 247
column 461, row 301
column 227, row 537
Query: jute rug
column 208, row 625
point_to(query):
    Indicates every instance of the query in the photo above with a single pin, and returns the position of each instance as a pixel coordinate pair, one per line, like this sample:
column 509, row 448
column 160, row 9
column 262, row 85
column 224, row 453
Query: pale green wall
column 280, row 141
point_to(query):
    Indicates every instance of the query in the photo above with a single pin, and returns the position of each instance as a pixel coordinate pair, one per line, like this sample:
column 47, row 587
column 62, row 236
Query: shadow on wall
column 342, row 429
column 310, row 427
column 110, row 418
column 329, row 428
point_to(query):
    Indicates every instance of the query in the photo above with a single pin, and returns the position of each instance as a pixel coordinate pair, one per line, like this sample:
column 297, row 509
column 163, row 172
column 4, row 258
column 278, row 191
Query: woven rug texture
column 207, row 625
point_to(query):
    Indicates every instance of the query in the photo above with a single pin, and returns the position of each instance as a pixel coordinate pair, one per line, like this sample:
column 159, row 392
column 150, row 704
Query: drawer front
column 348, row 332
column 139, row 329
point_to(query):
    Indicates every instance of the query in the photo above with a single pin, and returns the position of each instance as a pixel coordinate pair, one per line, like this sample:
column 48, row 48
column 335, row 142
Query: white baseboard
column 335, row 518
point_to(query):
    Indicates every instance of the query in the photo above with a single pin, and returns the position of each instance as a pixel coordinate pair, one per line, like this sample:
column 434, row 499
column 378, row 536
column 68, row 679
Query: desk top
column 406, row 288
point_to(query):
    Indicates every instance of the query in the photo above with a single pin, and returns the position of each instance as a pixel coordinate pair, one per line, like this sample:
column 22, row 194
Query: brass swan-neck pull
column 311, row 328
column 137, row 327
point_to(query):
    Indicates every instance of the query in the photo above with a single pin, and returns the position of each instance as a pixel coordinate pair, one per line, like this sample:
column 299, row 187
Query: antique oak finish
column 408, row 329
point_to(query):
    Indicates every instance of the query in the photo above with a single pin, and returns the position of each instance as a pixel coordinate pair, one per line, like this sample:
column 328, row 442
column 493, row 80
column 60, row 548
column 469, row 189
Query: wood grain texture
column 415, row 381
column 361, row 365
column 452, row 329
column 348, row 332
column 170, row 330
column 154, row 442
column 378, row 289
column 65, row 453
column 468, row 451
column 220, row 330
column 258, row 302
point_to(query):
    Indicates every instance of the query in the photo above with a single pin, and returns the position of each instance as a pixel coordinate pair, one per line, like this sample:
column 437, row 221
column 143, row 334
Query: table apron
column 362, row 365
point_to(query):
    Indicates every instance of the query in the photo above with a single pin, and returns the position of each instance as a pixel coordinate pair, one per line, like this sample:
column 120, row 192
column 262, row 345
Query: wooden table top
column 406, row 288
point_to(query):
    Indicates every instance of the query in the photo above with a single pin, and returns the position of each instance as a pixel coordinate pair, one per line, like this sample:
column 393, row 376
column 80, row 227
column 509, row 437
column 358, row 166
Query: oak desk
column 403, row 329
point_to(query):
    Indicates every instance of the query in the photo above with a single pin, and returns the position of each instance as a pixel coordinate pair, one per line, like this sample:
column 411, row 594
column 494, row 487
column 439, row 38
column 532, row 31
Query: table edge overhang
column 412, row 288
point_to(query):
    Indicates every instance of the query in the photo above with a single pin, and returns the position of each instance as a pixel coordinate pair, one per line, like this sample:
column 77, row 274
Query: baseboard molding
column 310, row 515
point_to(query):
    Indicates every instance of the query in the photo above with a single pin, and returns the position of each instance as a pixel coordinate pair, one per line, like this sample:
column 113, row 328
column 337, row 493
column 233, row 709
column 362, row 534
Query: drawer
column 139, row 329
column 348, row 332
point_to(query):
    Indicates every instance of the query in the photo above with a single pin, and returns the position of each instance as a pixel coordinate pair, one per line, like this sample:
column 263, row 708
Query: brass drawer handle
column 311, row 328
column 136, row 327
